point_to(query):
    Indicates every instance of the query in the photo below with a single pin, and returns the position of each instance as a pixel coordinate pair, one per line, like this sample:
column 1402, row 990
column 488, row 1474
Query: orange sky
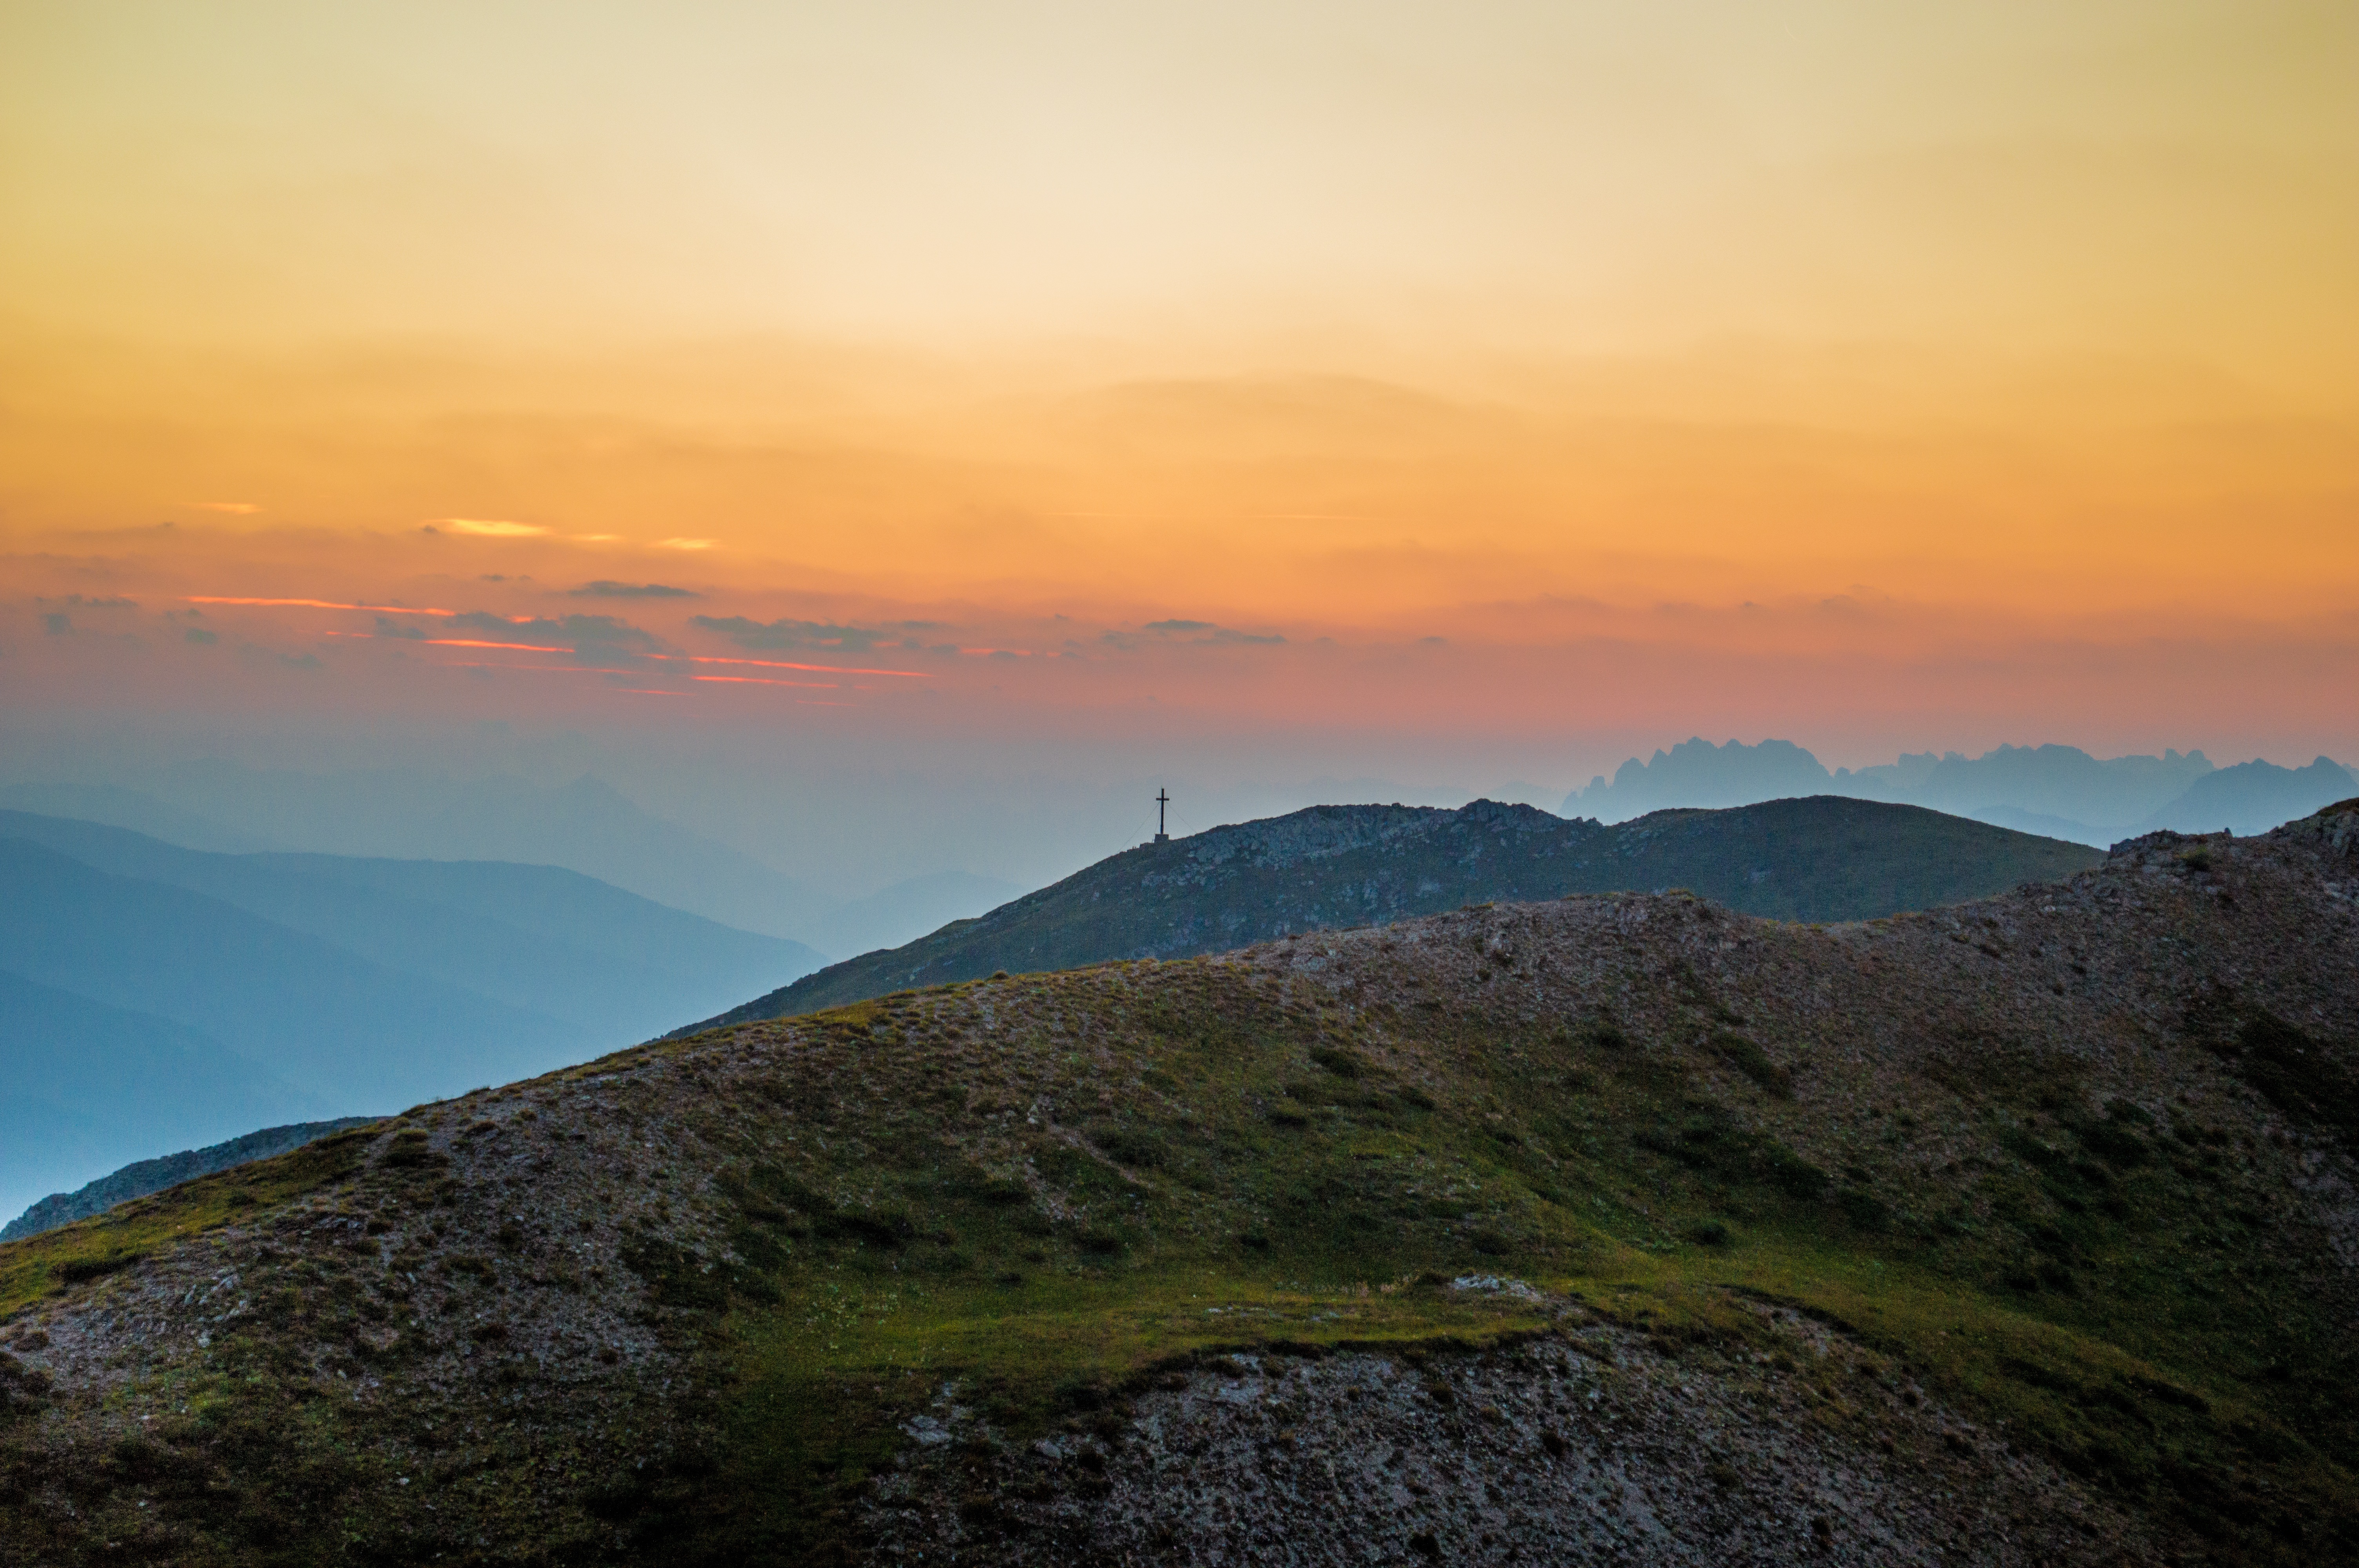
column 1868, row 376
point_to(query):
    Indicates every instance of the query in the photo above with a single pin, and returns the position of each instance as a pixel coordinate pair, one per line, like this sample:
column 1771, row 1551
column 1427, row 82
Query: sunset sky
column 1444, row 392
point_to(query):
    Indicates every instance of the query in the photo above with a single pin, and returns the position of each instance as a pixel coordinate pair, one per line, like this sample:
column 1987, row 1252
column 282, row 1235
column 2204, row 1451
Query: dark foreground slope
column 1607, row 1229
column 1340, row 866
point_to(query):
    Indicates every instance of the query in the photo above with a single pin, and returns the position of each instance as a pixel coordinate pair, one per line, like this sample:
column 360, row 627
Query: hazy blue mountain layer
column 2253, row 797
column 1820, row 859
column 136, row 809
column 539, row 937
column 314, row 1015
column 136, row 1180
column 2059, row 791
column 168, row 997
column 85, row 1088
column 587, row 827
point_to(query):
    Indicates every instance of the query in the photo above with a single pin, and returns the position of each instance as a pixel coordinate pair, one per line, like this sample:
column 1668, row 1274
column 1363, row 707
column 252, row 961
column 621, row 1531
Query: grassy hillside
column 1607, row 1227
column 1340, row 866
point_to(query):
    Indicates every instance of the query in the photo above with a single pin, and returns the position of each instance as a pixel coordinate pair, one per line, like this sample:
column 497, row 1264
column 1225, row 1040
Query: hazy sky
column 1455, row 393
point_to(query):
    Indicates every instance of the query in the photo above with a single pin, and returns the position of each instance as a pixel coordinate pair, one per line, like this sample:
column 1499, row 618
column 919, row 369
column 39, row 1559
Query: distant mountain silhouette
column 85, row 1088
column 2061, row 782
column 135, row 809
column 1695, row 772
column 586, row 826
column 138, row 1180
column 1817, row 858
column 297, row 987
column 2056, row 791
column 2253, row 797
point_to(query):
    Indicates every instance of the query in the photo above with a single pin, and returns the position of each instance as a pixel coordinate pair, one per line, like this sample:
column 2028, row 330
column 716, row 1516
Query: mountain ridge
column 2057, row 789
column 1825, row 858
column 299, row 986
column 142, row 1177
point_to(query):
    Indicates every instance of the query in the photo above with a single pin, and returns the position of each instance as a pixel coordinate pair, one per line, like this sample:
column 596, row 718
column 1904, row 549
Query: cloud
column 235, row 508
column 491, row 527
column 58, row 624
column 1213, row 632
column 602, row 631
column 200, row 636
column 684, row 544
column 385, row 628
column 256, row 654
column 81, row 602
column 603, row 589
column 316, row 604
column 787, row 633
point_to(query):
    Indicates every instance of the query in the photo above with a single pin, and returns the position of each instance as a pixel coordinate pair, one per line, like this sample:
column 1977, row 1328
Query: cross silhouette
column 1162, row 799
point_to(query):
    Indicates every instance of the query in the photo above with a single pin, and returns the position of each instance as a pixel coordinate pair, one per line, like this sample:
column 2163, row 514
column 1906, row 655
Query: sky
column 790, row 398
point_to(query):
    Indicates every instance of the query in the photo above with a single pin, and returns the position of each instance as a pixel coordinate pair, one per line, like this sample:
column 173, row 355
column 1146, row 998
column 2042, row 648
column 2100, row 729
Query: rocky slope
column 1603, row 1229
column 1340, row 866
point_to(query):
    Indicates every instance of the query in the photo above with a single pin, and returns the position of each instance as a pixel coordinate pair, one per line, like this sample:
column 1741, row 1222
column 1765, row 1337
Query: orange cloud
column 493, row 527
column 313, row 604
column 782, row 665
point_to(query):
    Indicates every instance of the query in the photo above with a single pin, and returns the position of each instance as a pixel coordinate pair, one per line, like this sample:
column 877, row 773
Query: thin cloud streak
column 312, row 604
column 783, row 665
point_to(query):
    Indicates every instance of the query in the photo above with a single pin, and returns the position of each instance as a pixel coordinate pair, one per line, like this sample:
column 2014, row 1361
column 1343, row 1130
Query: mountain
column 144, row 1176
column 552, row 941
column 2254, row 796
column 135, row 809
column 1822, row 858
column 1695, row 772
column 2062, row 781
column 88, row 1088
column 284, row 987
column 586, row 826
column 2061, row 788
column 1621, row 1227
column 313, row 1015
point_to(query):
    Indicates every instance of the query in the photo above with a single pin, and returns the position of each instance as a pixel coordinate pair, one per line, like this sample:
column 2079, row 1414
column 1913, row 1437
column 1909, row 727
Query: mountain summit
column 1337, row 866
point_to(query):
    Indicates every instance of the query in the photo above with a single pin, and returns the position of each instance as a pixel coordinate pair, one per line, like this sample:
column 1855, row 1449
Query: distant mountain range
column 136, row 1180
column 153, row 997
column 586, row 826
column 2057, row 791
column 1822, row 858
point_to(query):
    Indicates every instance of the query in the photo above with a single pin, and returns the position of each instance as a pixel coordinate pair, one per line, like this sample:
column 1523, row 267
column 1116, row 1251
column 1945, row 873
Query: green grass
column 88, row 1248
column 1268, row 1179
